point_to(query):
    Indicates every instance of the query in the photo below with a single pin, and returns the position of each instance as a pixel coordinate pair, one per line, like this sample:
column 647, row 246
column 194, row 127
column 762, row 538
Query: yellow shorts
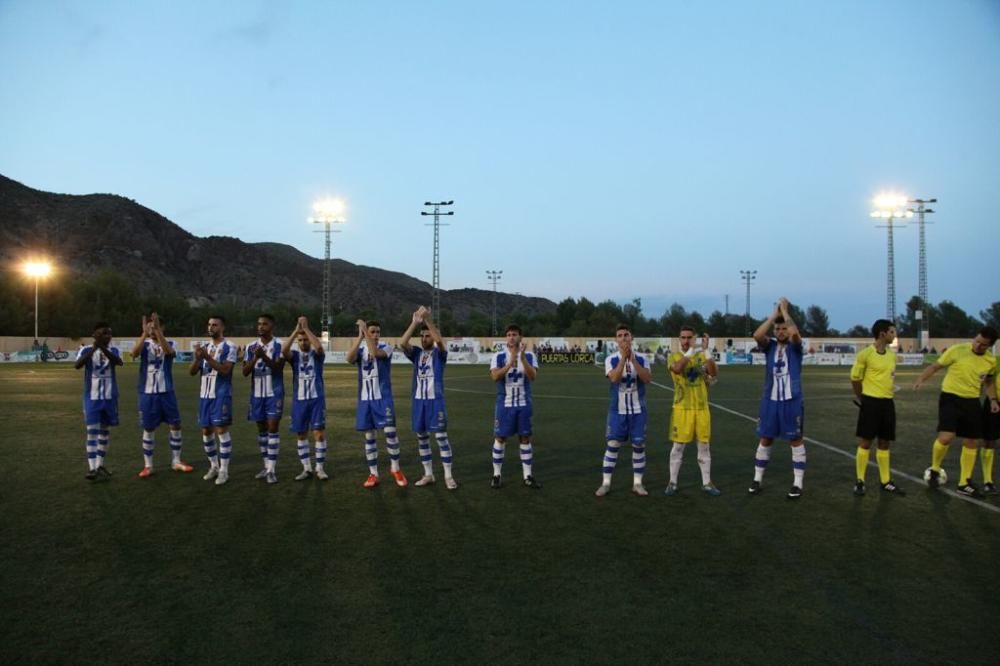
column 688, row 425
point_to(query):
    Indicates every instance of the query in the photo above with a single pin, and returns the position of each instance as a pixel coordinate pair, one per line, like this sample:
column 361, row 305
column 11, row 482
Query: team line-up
column 971, row 370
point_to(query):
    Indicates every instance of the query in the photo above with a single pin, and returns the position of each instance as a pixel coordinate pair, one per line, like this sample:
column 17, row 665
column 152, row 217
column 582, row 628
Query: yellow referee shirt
column 966, row 370
column 876, row 372
column 690, row 390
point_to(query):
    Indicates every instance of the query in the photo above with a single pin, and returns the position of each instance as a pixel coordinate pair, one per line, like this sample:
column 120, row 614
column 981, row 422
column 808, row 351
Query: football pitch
column 175, row 569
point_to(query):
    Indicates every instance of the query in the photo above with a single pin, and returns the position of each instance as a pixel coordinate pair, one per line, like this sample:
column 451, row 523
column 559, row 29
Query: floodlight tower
column 328, row 212
column 494, row 277
column 436, row 295
column 889, row 206
column 922, row 272
column 38, row 270
column 748, row 276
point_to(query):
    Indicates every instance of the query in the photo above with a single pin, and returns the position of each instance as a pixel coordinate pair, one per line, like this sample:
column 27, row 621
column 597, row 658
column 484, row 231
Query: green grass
column 175, row 569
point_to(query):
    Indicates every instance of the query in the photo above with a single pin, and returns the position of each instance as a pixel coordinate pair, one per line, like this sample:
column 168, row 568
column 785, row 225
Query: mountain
column 92, row 232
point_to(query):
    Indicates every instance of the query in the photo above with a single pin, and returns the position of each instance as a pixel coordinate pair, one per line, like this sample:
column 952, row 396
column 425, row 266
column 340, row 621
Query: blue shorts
column 157, row 408
column 375, row 415
column 509, row 421
column 626, row 427
column 308, row 415
column 266, row 409
column 429, row 415
column 781, row 419
column 215, row 412
column 104, row 412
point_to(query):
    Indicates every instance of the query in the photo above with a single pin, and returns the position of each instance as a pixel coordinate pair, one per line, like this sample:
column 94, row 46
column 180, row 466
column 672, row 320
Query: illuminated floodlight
column 329, row 210
column 37, row 269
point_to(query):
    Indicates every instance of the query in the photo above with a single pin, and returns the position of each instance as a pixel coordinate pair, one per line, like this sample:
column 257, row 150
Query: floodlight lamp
column 37, row 269
column 328, row 210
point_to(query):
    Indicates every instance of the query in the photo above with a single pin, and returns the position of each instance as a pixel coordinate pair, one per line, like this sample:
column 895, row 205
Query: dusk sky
column 607, row 150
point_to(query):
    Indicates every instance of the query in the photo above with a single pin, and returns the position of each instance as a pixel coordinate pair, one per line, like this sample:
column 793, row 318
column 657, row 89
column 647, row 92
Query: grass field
column 175, row 569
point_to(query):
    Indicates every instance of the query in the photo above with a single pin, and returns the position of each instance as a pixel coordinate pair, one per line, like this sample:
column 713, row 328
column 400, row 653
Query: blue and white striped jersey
column 629, row 395
column 99, row 380
column 307, row 375
column 214, row 385
column 783, row 380
column 156, row 369
column 374, row 374
column 428, row 372
column 513, row 391
column 265, row 382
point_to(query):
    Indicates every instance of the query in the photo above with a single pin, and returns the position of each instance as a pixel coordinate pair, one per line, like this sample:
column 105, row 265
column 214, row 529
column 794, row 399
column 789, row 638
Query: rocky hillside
column 101, row 231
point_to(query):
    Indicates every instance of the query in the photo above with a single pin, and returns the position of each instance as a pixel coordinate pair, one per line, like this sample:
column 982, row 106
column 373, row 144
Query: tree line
column 70, row 308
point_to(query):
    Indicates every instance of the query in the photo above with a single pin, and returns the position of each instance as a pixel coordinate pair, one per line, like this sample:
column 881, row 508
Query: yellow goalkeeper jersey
column 690, row 390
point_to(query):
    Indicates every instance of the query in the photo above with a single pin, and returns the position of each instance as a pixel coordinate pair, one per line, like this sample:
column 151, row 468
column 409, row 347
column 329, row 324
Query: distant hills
column 105, row 231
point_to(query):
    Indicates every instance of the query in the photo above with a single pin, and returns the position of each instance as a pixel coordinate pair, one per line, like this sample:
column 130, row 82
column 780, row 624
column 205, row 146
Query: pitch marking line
column 851, row 456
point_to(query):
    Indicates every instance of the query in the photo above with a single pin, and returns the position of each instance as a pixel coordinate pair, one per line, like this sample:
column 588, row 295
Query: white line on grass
column 834, row 449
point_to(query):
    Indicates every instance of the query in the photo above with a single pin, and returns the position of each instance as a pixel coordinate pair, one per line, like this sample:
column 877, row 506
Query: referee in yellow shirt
column 971, row 366
column 872, row 378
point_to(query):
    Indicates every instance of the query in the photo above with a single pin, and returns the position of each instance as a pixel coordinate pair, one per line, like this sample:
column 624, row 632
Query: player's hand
column 994, row 407
column 302, row 323
column 199, row 351
column 918, row 384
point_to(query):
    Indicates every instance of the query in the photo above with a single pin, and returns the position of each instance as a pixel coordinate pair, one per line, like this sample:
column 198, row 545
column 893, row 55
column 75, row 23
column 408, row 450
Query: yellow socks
column 861, row 462
column 938, row 454
column 884, row 475
column 968, row 463
column 986, row 458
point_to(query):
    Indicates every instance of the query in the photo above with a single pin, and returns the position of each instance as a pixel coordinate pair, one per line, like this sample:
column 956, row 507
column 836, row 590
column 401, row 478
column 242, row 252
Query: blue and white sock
column 103, row 442
column 273, row 444
column 610, row 460
column 526, row 459
column 302, row 446
column 208, row 441
column 371, row 452
column 638, row 463
column 148, row 444
column 392, row 444
column 498, row 449
column 760, row 462
column 320, row 452
column 444, row 448
column 424, row 449
column 92, row 431
column 175, row 446
column 798, row 464
column 225, row 450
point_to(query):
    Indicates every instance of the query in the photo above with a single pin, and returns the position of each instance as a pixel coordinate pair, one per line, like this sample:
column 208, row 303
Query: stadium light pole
column 888, row 206
column 494, row 277
column 37, row 270
column 925, row 331
column 436, row 279
column 748, row 276
column 328, row 212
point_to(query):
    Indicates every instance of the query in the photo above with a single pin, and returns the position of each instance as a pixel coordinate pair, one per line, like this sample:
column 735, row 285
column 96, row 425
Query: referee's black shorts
column 877, row 419
column 991, row 423
column 962, row 416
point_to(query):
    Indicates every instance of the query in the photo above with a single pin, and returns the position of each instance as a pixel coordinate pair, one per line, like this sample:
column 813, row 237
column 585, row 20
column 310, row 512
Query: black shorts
column 991, row 423
column 962, row 416
column 877, row 419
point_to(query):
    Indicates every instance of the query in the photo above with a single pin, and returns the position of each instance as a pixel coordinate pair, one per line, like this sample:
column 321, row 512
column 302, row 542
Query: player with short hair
column 514, row 370
column 429, row 413
column 971, row 369
column 991, row 433
column 628, row 373
column 304, row 352
column 781, row 406
column 376, row 409
column 692, row 369
column 214, row 362
column 263, row 359
column 100, row 395
column 872, row 378
column 157, row 400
